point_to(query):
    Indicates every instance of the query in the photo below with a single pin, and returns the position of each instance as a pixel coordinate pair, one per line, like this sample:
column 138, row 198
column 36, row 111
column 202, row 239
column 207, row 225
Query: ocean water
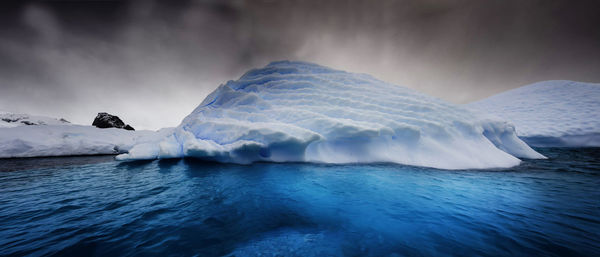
column 94, row 206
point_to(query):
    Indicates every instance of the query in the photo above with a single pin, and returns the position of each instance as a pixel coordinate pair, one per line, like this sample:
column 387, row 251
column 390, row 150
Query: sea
column 96, row 206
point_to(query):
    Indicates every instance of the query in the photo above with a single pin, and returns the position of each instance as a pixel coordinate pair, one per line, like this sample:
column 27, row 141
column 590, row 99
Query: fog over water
column 152, row 62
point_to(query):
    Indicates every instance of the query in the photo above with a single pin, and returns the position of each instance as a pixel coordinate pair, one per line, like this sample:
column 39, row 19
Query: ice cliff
column 303, row 112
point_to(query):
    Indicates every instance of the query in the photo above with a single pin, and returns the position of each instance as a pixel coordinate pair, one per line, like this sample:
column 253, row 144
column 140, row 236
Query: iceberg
column 303, row 112
column 555, row 113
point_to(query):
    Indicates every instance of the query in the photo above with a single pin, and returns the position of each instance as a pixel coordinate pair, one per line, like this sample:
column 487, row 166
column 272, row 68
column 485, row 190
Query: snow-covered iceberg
column 550, row 113
column 303, row 112
column 23, row 135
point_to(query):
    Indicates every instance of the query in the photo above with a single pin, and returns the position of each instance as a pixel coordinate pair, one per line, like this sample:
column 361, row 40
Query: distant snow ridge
column 11, row 120
column 550, row 113
column 296, row 111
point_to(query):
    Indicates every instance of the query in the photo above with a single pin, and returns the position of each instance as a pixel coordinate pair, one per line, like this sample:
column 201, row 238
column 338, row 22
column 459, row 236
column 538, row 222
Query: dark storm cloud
column 152, row 62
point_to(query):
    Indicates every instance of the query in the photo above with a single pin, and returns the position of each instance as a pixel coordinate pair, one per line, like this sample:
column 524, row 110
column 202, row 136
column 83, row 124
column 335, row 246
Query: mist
column 151, row 63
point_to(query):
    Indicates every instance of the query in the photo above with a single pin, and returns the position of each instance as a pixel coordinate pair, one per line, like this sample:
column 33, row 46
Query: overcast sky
column 151, row 63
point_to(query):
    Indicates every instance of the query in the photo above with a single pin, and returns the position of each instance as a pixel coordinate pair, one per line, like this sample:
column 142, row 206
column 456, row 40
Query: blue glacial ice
column 303, row 112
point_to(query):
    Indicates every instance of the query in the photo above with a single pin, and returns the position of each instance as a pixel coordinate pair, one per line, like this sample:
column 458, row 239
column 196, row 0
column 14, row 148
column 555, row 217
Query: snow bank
column 64, row 140
column 295, row 111
column 550, row 113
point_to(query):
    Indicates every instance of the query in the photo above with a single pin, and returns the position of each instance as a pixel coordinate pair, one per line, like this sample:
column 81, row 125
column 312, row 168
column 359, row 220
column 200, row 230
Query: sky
column 152, row 62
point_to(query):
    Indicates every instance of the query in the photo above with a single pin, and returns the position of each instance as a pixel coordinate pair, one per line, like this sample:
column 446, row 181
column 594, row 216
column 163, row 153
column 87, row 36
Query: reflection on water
column 188, row 207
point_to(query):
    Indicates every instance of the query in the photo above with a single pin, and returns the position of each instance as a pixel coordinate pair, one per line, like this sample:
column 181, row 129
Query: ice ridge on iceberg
column 303, row 112
column 550, row 113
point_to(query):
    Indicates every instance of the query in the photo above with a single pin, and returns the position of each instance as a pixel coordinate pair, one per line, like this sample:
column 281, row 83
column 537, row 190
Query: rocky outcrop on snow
column 105, row 120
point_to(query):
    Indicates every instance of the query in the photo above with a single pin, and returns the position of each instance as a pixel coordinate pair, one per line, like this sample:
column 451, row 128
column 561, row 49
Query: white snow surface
column 550, row 113
column 11, row 120
column 303, row 112
column 58, row 138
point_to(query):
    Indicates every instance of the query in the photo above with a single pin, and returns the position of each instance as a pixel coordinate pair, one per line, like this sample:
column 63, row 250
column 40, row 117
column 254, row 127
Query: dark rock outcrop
column 105, row 120
column 9, row 120
column 29, row 123
column 23, row 120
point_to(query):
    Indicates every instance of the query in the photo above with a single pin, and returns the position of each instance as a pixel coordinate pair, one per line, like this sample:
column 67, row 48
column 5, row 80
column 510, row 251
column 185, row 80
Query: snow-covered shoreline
column 53, row 137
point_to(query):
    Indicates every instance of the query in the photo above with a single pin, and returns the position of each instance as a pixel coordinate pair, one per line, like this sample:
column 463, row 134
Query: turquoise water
column 93, row 206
